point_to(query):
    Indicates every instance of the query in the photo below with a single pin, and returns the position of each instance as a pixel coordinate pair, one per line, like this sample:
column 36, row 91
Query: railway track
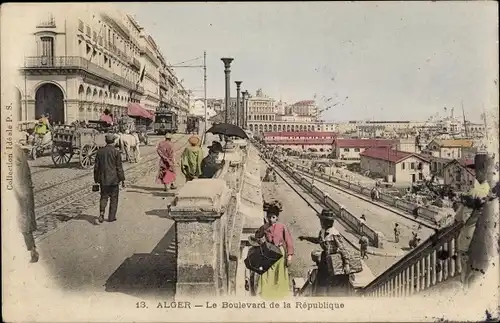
column 400, row 214
column 82, row 191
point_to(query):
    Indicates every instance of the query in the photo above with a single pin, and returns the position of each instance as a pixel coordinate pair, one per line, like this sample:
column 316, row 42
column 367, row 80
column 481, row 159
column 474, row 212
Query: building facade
column 458, row 176
column 449, row 148
column 303, row 108
column 85, row 61
column 321, row 141
column 394, row 165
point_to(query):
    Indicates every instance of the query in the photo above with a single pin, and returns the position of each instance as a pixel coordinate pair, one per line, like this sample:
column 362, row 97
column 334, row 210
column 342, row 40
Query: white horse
column 130, row 143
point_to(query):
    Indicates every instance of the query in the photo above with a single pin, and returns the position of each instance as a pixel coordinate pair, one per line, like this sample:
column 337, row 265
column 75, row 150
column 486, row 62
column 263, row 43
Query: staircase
column 422, row 269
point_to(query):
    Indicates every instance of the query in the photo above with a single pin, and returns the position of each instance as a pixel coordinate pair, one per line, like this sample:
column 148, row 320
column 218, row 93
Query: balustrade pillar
column 197, row 211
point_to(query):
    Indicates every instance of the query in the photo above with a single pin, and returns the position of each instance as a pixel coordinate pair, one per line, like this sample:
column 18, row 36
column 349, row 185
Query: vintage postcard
column 253, row 161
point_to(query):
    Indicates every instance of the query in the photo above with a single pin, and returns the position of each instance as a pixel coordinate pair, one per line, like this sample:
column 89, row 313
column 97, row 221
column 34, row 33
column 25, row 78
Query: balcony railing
column 49, row 22
column 76, row 62
column 422, row 268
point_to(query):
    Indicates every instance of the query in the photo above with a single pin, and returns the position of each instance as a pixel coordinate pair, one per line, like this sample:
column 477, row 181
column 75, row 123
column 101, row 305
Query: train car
column 193, row 124
column 166, row 121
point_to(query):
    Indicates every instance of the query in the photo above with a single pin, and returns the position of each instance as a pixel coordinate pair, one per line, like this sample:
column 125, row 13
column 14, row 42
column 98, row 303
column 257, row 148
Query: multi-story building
column 84, row 61
column 394, row 165
column 301, row 140
column 449, row 148
column 303, row 108
column 457, row 175
column 261, row 107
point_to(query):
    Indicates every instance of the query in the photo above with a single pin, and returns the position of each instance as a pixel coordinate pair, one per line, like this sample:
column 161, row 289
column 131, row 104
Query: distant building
column 394, row 165
column 350, row 149
column 408, row 145
column 301, row 140
column 303, row 108
column 449, row 148
column 458, row 176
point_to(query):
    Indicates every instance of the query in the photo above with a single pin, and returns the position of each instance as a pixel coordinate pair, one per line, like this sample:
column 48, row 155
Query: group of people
column 109, row 173
column 275, row 283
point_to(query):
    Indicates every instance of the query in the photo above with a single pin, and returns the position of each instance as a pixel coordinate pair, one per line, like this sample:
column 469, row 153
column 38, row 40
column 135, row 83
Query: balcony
column 58, row 63
column 49, row 22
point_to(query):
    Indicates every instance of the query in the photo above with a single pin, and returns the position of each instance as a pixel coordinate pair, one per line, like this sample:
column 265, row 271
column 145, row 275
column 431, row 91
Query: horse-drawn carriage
column 34, row 144
column 83, row 140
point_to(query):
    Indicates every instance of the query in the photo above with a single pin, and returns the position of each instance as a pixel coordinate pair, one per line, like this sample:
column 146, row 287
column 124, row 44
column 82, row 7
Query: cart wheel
column 61, row 156
column 87, row 156
column 34, row 153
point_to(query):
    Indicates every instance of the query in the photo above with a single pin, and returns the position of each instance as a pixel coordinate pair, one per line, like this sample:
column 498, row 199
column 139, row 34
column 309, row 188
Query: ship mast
column 465, row 121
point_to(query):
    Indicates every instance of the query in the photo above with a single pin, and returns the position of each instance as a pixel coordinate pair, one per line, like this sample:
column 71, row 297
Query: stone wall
column 211, row 216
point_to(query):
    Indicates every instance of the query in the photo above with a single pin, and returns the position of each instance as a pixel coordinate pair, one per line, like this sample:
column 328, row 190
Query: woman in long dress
column 275, row 283
column 166, row 172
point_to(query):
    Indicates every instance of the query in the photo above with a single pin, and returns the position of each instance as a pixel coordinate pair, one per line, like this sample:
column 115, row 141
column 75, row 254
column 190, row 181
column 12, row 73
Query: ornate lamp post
column 227, row 72
column 238, row 114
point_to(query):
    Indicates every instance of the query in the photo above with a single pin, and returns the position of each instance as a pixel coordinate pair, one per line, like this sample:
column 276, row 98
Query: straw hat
column 168, row 136
column 194, row 140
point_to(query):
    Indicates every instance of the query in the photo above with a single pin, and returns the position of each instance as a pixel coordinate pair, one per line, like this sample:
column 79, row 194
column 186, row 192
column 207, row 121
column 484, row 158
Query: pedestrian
column 108, row 173
column 397, row 233
column 331, row 242
column 209, row 165
column 275, row 282
column 191, row 159
column 362, row 223
column 166, row 173
column 363, row 246
column 23, row 190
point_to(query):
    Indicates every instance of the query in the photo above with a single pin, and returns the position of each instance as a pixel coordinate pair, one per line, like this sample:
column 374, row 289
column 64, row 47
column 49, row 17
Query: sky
column 377, row 60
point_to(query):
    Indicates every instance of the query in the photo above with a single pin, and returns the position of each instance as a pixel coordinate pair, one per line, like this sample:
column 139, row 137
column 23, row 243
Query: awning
column 106, row 118
column 137, row 110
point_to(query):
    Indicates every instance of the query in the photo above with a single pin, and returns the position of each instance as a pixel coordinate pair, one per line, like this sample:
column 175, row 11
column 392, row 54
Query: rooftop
column 387, row 154
column 364, row 143
column 455, row 143
column 304, row 102
column 463, row 163
column 306, row 134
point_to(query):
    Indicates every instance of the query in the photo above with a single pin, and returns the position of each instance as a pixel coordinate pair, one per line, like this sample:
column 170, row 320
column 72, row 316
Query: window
column 420, row 176
column 412, row 165
column 346, row 149
column 356, row 150
column 46, row 47
column 402, row 165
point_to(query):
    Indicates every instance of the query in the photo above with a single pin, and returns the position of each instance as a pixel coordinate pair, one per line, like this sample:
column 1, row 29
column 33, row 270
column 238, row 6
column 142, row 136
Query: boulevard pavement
column 134, row 255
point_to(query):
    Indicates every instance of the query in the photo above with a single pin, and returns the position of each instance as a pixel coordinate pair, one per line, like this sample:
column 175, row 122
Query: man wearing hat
column 331, row 242
column 108, row 173
column 191, row 159
column 209, row 165
column 166, row 173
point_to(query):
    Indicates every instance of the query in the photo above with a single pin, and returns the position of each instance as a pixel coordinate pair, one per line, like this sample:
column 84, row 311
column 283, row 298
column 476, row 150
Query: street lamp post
column 245, row 110
column 227, row 72
column 238, row 114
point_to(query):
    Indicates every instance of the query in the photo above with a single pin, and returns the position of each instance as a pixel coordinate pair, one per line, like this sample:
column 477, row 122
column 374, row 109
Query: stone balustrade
column 422, row 268
column 211, row 216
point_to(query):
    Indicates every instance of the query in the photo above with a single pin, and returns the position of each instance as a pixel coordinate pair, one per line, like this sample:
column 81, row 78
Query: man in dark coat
column 23, row 189
column 209, row 165
column 108, row 173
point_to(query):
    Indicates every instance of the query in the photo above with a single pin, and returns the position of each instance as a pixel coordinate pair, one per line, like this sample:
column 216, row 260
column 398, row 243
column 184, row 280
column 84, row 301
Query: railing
column 76, row 62
column 50, row 22
column 433, row 262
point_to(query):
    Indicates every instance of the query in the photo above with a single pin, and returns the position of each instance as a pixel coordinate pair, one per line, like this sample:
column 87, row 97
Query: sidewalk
column 134, row 255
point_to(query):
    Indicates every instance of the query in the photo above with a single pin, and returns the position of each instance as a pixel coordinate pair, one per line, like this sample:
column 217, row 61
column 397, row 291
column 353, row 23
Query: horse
column 130, row 142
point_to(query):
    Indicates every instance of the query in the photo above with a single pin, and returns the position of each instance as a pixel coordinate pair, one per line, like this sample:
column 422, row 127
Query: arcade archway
column 49, row 99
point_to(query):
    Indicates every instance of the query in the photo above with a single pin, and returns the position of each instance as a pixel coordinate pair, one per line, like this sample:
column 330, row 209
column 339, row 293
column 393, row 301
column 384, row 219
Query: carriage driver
column 42, row 127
